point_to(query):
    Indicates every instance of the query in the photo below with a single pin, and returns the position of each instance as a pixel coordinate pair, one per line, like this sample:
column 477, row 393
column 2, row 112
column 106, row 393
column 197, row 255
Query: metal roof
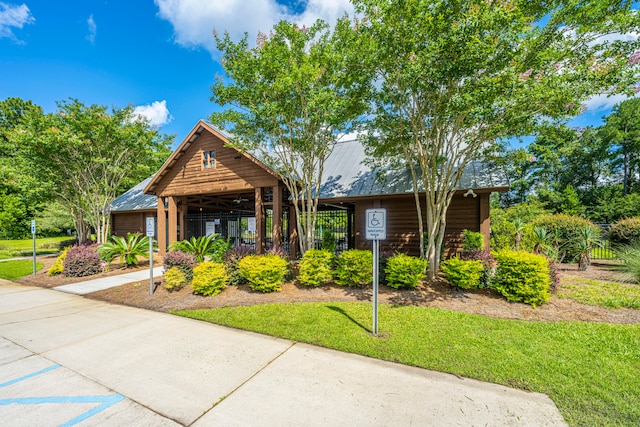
column 346, row 175
column 135, row 199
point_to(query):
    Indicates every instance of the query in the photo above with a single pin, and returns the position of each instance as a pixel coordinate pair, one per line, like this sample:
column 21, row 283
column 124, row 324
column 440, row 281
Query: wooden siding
column 233, row 172
column 129, row 222
column 402, row 224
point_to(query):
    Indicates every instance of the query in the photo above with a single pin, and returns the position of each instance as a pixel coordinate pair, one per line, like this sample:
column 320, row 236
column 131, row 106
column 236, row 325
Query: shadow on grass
column 345, row 314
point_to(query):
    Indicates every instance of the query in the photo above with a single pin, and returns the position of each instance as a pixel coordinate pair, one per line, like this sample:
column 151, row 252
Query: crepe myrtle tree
column 87, row 153
column 455, row 76
column 291, row 98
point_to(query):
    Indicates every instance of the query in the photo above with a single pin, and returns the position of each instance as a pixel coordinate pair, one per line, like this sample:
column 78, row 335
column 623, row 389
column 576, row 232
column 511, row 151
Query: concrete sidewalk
column 93, row 285
column 157, row 369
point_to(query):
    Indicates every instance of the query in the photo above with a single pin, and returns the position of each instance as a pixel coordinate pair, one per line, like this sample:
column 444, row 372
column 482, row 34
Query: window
column 208, row 159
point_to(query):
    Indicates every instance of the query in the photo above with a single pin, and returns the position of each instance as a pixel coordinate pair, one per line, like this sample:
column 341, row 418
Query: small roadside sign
column 376, row 225
column 151, row 228
column 33, row 226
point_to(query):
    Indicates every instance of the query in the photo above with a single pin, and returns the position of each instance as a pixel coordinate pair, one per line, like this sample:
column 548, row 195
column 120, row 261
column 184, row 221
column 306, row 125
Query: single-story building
column 207, row 187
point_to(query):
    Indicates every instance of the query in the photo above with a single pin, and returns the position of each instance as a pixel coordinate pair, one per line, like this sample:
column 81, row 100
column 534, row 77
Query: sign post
column 150, row 234
column 376, row 230
column 33, row 233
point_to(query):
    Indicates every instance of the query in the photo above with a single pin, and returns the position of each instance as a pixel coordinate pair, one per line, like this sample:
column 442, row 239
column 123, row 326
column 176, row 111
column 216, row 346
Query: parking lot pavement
column 34, row 391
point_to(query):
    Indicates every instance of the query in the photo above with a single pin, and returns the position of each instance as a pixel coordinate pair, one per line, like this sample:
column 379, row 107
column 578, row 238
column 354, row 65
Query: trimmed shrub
column 404, row 271
column 354, row 268
column 231, row 259
column 565, row 231
column 174, row 279
column 625, row 232
column 182, row 260
column 58, row 265
column 315, row 267
column 82, row 261
column 522, row 276
column 472, row 241
column 209, row 278
column 265, row 273
column 465, row 274
column 488, row 263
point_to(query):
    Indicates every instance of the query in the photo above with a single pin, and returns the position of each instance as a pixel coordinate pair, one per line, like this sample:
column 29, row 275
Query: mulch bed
column 435, row 294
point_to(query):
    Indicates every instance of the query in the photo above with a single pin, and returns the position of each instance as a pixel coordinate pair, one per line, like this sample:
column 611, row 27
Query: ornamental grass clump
column 265, row 273
column 209, row 278
column 354, row 268
column 315, row 267
column 522, row 276
column 82, row 261
column 630, row 256
column 404, row 271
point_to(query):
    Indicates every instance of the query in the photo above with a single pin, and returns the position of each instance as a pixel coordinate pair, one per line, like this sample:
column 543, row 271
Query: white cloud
column 157, row 113
column 194, row 20
column 93, row 29
column 601, row 102
column 13, row 16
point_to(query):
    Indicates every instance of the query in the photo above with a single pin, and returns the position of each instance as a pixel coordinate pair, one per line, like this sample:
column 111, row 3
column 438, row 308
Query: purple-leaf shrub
column 82, row 261
column 184, row 261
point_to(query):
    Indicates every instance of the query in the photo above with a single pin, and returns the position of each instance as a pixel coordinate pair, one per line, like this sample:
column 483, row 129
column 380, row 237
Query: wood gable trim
column 192, row 138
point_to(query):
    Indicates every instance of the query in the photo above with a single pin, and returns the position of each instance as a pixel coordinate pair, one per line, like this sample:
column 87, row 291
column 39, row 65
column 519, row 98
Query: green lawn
column 45, row 245
column 590, row 370
column 604, row 294
column 11, row 270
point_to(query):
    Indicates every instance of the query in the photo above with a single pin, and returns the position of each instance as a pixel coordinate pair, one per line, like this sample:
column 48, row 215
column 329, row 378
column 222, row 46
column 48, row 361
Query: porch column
column 485, row 222
column 162, row 227
column 293, row 233
column 260, row 221
column 277, row 217
column 182, row 211
column 173, row 220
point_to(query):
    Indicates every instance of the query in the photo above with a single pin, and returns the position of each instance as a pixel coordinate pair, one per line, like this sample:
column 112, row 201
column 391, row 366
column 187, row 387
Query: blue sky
column 156, row 55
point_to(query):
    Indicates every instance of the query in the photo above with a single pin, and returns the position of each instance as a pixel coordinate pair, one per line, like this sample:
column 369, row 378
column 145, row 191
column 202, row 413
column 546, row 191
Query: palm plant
column 518, row 226
column 540, row 239
column 127, row 250
column 587, row 238
column 212, row 246
column 630, row 256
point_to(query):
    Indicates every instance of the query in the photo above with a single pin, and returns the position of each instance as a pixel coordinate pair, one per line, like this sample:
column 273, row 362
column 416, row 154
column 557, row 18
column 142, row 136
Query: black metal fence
column 603, row 251
column 240, row 228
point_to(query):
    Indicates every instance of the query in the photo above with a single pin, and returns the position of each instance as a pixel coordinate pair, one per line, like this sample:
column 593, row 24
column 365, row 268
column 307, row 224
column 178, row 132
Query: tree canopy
column 456, row 76
column 88, row 154
column 292, row 97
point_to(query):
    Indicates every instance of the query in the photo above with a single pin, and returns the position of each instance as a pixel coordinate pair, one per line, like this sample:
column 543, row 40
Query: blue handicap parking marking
column 104, row 401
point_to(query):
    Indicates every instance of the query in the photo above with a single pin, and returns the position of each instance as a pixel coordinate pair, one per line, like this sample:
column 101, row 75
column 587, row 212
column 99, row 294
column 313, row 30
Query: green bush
column 209, row 278
column 212, row 246
column 183, row 260
column 315, row 267
column 630, row 256
column 625, row 232
column 522, row 276
column 329, row 241
column 174, row 279
column 265, row 273
column 465, row 274
column 472, row 241
column 58, row 266
column 565, row 230
column 354, row 268
column 404, row 271
column 127, row 250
